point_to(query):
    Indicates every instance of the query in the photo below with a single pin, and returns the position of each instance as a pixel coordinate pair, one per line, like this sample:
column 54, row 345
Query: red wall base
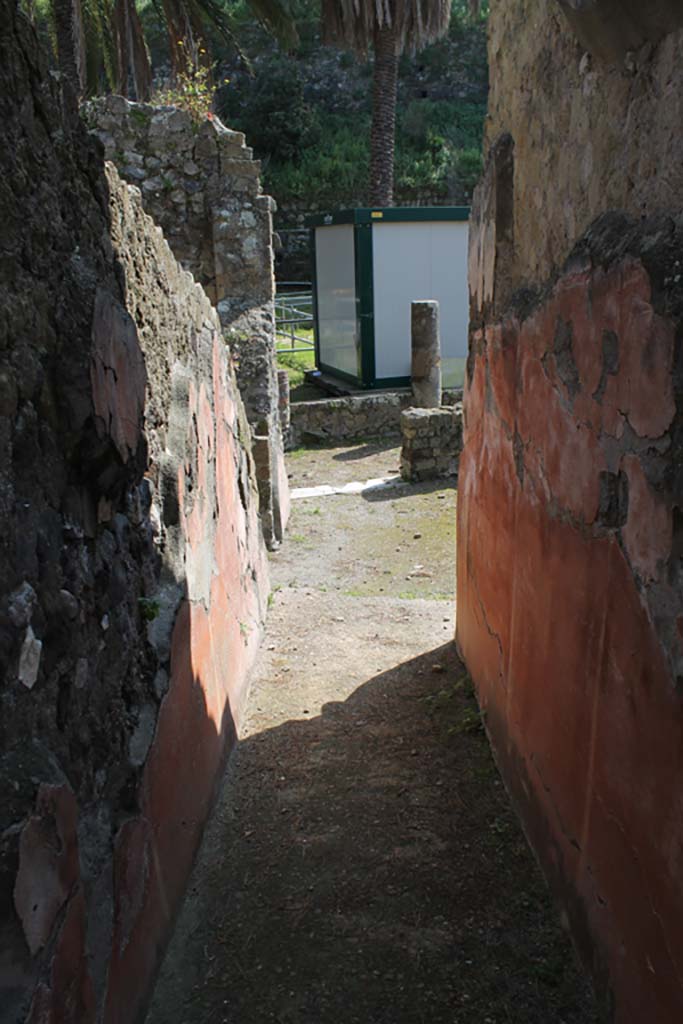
column 568, row 617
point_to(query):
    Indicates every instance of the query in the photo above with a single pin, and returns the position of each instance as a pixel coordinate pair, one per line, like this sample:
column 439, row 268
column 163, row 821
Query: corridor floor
column 363, row 865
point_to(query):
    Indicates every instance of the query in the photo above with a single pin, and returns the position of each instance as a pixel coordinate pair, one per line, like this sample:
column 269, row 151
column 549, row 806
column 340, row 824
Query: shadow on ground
column 364, row 866
column 365, row 449
column 396, row 488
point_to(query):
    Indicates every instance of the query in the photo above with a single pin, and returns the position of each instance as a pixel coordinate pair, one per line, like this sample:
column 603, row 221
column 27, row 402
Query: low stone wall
column 294, row 212
column 339, row 419
column 201, row 185
column 432, row 442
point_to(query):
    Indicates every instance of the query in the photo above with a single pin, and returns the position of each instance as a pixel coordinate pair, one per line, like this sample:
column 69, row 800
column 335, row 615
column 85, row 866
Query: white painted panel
column 449, row 284
column 336, row 294
column 420, row 260
column 401, row 264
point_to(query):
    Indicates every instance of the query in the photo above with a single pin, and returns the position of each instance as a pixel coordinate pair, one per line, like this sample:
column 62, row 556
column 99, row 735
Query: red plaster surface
column 48, row 863
column 215, row 639
column 118, row 376
column 648, row 531
column 50, row 902
column 213, row 648
column 69, row 998
column 557, row 634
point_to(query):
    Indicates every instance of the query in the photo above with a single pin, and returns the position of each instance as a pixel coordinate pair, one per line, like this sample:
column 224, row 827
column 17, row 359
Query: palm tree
column 70, row 36
column 100, row 43
column 185, row 24
column 389, row 27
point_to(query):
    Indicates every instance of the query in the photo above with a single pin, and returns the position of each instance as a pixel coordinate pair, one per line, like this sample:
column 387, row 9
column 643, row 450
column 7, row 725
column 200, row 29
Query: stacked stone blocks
column 340, row 419
column 432, row 440
column 201, row 186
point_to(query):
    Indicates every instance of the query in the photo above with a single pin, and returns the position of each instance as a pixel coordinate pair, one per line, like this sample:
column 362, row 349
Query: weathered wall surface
column 132, row 565
column 570, row 593
column 201, row 185
column 613, row 141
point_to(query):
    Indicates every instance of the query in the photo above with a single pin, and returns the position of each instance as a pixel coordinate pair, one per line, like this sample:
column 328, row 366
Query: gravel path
column 363, row 865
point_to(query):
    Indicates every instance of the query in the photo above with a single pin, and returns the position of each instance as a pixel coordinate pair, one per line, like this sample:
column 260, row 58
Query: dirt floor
column 363, row 864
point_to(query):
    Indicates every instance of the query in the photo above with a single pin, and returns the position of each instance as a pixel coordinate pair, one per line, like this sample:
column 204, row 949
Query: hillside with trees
column 307, row 113
column 305, row 107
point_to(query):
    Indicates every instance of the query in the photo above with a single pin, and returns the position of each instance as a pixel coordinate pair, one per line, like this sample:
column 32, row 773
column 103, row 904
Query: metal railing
column 293, row 312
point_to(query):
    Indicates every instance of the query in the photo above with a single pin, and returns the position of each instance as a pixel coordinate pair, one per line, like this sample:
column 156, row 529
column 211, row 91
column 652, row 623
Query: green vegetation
column 192, row 90
column 465, row 715
column 336, row 154
column 306, row 108
column 308, row 113
column 296, row 363
column 149, row 608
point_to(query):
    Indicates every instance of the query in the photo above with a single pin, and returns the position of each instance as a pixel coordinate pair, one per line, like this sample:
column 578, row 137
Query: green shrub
column 468, row 167
column 272, row 111
column 337, row 164
column 460, row 124
column 438, row 146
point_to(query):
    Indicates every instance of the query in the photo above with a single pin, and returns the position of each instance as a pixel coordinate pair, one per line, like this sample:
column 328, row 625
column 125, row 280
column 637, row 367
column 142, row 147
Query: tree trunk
column 121, row 40
column 70, row 42
column 383, row 133
column 140, row 65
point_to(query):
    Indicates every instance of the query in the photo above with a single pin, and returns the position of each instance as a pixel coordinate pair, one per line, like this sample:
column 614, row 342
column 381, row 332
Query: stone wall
column 339, row 419
column 134, row 577
column 570, row 490
column 431, row 443
column 631, row 160
column 201, row 185
column 292, row 213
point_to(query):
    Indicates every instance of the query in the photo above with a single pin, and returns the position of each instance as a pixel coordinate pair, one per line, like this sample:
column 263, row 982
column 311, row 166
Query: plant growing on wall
column 192, row 89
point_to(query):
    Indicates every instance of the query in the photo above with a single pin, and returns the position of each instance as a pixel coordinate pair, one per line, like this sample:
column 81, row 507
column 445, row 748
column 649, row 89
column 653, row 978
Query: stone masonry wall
column 201, row 185
column 573, row 166
column 338, row 419
column 432, row 441
column 570, row 530
column 132, row 566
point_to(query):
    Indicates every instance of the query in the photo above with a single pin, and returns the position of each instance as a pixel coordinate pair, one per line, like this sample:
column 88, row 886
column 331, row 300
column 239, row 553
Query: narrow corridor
column 363, row 864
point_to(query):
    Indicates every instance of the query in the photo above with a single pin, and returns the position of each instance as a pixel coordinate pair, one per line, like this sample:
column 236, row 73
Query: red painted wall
column 213, row 647
column 133, row 573
column 569, row 611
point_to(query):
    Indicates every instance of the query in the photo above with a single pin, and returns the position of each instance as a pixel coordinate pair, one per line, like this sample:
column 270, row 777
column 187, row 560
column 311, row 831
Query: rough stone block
column 432, row 439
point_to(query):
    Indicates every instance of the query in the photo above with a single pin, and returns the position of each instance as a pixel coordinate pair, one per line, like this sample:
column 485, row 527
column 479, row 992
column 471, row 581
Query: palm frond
column 223, row 22
column 353, row 23
column 276, row 16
